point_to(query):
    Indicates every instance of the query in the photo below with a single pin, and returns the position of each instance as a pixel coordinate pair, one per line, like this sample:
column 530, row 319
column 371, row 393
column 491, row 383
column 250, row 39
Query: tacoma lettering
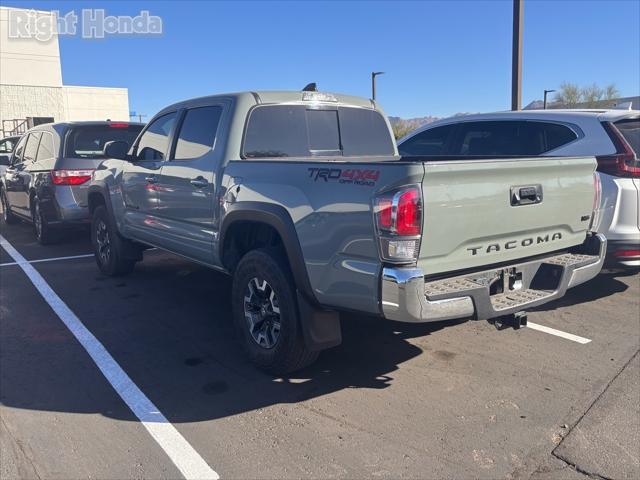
column 511, row 244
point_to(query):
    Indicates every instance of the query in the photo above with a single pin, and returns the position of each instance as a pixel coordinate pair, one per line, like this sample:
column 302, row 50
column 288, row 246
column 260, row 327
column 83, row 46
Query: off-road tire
column 289, row 353
column 110, row 256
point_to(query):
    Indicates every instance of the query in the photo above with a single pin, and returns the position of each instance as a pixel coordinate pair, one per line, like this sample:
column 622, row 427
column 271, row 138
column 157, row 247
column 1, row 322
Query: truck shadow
column 604, row 285
column 169, row 327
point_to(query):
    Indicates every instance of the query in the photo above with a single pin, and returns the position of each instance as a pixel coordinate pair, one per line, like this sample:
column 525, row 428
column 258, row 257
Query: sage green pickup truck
column 303, row 199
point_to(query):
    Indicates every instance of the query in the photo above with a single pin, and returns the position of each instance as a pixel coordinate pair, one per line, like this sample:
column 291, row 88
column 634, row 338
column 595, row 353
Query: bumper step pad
column 449, row 286
column 568, row 259
column 515, row 298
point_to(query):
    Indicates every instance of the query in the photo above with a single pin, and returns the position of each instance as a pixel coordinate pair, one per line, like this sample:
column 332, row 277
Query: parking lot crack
column 17, row 443
column 556, row 453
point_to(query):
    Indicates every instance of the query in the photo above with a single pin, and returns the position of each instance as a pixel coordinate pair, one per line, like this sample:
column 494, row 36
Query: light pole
column 139, row 115
column 544, row 103
column 373, row 83
column 516, row 56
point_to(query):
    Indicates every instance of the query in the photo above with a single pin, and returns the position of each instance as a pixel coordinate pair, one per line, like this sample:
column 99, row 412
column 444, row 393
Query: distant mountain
column 412, row 123
column 402, row 126
column 612, row 103
column 419, row 121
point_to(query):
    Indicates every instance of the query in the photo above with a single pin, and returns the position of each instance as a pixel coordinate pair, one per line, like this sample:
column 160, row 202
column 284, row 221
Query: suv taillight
column 623, row 163
column 398, row 216
column 597, row 198
column 70, row 177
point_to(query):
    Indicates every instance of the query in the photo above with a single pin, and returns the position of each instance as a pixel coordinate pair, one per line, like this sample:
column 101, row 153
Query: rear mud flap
column 320, row 328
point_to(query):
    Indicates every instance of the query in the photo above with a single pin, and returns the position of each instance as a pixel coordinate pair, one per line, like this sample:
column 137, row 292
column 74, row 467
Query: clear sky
column 440, row 57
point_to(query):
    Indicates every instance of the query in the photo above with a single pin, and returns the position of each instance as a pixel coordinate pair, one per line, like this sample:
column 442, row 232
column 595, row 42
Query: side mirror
column 5, row 159
column 116, row 149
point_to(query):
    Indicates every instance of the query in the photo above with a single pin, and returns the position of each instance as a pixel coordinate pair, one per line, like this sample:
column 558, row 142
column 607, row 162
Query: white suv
column 612, row 136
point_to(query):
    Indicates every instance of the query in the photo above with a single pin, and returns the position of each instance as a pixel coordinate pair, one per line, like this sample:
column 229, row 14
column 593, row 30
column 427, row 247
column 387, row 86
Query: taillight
column 384, row 206
column 70, row 177
column 597, row 197
column 627, row 253
column 409, row 217
column 118, row 125
column 623, row 163
column 398, row 216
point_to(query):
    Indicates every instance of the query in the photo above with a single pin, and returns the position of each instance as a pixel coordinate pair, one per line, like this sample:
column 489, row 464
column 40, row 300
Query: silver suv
column 47, row 179
column 612, row 136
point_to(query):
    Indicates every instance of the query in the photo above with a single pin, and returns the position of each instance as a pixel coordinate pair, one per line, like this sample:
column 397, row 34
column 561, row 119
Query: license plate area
column 506, row 280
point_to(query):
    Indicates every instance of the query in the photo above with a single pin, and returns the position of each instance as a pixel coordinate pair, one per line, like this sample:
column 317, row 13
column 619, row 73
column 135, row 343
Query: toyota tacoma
column 303, row 199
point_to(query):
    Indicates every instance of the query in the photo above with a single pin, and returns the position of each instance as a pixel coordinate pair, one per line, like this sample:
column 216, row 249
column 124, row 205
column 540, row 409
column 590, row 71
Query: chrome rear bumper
column 407, row 297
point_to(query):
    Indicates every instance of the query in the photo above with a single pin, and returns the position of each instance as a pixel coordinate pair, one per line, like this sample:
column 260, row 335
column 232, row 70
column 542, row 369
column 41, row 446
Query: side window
column 556, row 136
column 501, row 138
column 154, row 142
column 510, row 137
column 31, row 148
column 198, row 132
column 429, row 142
column 19, row 152
column 45, row 150
column 6, row 145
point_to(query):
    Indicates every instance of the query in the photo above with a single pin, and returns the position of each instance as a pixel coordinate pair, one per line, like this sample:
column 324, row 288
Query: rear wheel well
column 94, row 200
column 244, row 236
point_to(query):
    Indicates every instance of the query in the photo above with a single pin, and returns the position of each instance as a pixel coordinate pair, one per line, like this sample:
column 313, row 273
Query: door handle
column 199, row 182
column 151, row 179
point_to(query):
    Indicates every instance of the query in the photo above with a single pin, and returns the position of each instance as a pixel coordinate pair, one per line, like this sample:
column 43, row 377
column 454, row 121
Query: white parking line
column 558, row 333
column 87, row 255
column 181, row 453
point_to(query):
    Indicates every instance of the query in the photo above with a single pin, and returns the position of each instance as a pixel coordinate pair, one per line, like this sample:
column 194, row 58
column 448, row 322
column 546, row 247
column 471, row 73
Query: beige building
column 32, row 91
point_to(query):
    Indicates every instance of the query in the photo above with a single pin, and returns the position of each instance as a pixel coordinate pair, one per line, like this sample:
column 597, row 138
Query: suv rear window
column 88, row 141
column 305, row 131
column 630, row 130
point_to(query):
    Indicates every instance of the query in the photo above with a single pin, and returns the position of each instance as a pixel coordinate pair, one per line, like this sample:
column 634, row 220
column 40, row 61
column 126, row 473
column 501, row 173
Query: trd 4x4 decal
column 353, row 176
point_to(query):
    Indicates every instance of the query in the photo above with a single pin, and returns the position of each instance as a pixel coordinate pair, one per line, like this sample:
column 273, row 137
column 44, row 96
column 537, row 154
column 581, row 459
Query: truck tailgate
column 484, row 212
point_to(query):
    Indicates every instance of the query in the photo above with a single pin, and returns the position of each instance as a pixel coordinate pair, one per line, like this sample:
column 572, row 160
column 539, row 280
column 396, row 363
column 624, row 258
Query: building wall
column 96, row 103
column 27, row 61
column 31, row 83
column 21, row 101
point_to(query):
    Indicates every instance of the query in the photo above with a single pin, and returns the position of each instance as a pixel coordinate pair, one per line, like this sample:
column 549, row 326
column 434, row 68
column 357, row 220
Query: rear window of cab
column 303, row 131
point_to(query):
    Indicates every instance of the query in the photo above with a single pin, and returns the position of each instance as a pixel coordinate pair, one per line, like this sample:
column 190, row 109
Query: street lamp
column 373, row 83
column 544, row 102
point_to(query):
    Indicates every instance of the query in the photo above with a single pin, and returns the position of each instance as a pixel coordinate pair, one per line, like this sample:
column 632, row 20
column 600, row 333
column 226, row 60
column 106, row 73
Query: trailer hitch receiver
column 514, row 320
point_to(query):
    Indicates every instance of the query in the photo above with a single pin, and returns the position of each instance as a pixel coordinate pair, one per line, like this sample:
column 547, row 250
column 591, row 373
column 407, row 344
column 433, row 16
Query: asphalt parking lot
column 455, row 400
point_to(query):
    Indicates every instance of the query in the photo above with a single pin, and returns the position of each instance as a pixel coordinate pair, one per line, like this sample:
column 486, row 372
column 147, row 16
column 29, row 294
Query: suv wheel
column 43, row 231
column 7, row 214
column 265, row 313
column 108, row 245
